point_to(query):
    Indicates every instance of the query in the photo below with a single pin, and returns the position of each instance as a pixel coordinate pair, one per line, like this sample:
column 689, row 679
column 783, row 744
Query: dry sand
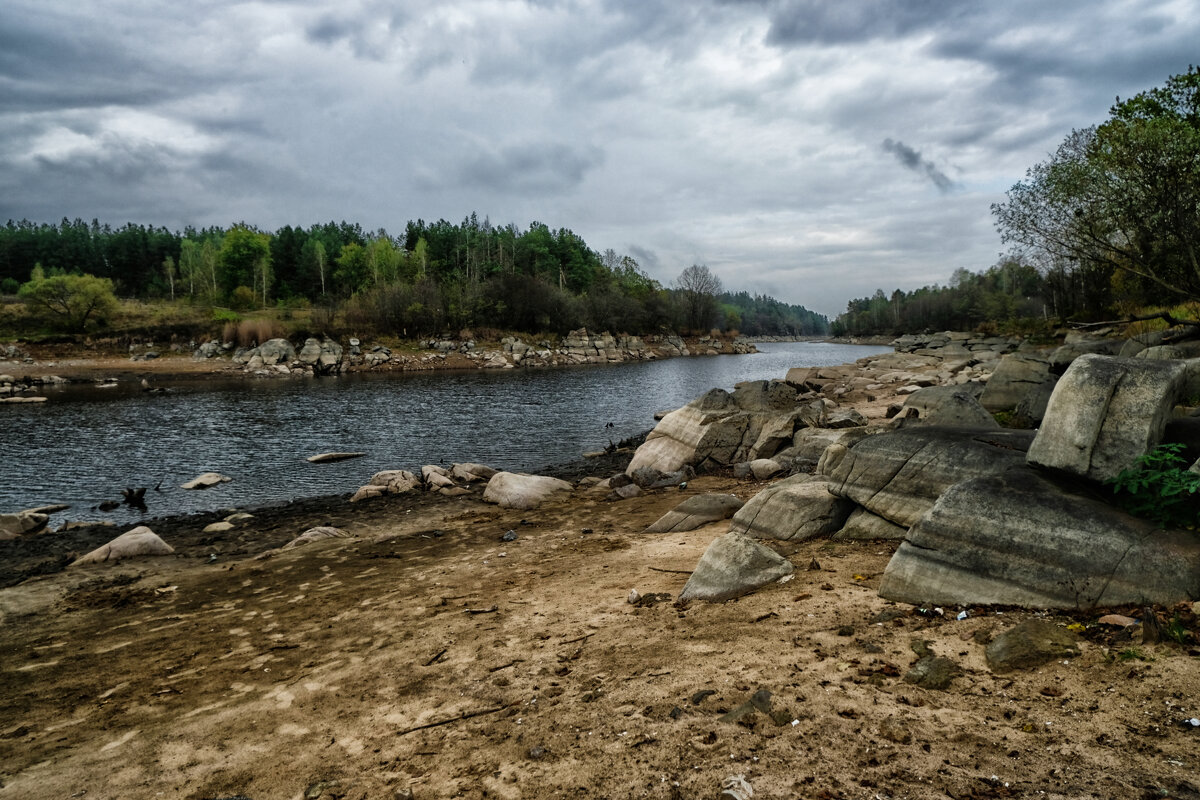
column 425, row 657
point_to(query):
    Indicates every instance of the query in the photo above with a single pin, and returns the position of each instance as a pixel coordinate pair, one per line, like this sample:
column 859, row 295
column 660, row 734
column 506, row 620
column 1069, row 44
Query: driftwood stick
column 578, row 638
column 436, row 658
column 487, row 610
column 465, row 715
column 672, row 571
column 1163, row 315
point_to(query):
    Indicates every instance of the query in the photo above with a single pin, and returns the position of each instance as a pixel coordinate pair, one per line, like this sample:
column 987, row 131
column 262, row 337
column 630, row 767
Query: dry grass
column 252, row 332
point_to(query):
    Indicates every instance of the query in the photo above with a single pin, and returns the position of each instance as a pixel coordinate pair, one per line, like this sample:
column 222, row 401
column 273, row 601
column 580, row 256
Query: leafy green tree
column 244, row 260
column 353, row 272
column 1123, row 196
column 72, row 300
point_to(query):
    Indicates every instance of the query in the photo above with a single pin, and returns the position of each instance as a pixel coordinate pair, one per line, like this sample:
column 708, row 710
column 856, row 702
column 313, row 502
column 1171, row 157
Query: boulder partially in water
column 206, row 480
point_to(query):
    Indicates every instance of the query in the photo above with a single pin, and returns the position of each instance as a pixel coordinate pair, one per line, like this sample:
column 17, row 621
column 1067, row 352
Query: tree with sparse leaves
column 700, row 288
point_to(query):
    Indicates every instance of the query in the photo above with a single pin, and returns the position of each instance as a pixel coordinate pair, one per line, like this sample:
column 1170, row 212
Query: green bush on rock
column 1160, row 488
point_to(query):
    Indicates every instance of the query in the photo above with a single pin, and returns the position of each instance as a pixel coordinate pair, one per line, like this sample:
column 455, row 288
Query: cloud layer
column 812, row 150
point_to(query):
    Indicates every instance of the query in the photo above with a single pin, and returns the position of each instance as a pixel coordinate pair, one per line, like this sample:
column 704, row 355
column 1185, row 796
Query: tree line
column 431, row 278
column 1108, row 225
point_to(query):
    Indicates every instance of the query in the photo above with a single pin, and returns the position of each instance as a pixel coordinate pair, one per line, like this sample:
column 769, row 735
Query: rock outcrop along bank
column 988, row 515
column 328, row 357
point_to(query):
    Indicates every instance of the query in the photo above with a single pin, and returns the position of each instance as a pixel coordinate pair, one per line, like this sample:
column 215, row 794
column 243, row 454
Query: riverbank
column 430, row 656
column 34, row 365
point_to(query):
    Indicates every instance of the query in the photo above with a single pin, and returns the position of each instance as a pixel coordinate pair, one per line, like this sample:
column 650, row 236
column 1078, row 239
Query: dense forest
column 1108, row 226
column 433, row 277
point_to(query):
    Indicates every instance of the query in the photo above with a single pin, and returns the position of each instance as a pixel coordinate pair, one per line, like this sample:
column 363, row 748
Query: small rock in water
column 633, row 597
column 511, row 536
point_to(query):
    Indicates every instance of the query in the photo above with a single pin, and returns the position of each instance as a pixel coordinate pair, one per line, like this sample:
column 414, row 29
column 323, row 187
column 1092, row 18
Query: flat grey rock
column 695, row 512
column 948, row 406
column 1030, row 644
column 734, row 565
column 901, row 474
column 1018, row 539
column 794, row 509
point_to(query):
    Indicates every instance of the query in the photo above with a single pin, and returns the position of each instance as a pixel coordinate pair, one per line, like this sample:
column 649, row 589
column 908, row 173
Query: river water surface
column 86, row 444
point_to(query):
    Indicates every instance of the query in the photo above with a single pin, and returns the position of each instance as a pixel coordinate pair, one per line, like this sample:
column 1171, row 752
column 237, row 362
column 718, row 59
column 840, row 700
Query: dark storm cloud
column 912, row 159
column 53, row 61
column 820, row 22
column 544, row 167
column 741, row 133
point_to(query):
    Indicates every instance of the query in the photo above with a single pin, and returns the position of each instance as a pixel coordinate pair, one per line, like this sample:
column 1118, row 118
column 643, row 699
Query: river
column 86, row 444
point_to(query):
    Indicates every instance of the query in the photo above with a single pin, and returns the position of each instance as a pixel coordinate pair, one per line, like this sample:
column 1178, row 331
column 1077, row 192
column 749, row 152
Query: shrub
column 1160, row 488
column 242, row 298
column 71, row 301
column 9, row 286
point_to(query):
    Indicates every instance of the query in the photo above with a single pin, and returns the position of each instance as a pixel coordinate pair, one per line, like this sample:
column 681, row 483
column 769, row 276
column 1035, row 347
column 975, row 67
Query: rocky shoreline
column 442, row 643
column 26, row 370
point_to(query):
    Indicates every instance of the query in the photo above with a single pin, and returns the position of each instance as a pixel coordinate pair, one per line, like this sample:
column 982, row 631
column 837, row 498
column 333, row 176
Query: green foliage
column 242, row 298
column 1120, row 197
column 71, row 301
column 225, row 315
column 1133, row 654
column 9, row 286
column 244, row 260
column 1160, row 488
column 1010, row 296
column 435, row 276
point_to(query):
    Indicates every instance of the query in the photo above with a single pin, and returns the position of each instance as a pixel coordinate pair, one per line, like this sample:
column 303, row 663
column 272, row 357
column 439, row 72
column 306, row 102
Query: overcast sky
column 814, row 150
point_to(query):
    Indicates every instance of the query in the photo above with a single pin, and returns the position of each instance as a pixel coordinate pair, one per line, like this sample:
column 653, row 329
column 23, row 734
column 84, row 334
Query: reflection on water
column 85, row 445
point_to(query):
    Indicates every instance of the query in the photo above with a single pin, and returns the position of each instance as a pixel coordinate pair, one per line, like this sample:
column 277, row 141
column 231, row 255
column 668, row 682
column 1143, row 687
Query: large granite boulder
column 809, row 443
column 734, row 565
column 140, row 541
column 276, row 351
column 471, row 472
column 389, row 481
column 514, row 490
column 1016, row 538
column 794, row 509
column 1014, row 378
column 325, row 357
column 901, row 474
column 695, row 512
column 1105, row 413
column 724, row 428
column 949, row 406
